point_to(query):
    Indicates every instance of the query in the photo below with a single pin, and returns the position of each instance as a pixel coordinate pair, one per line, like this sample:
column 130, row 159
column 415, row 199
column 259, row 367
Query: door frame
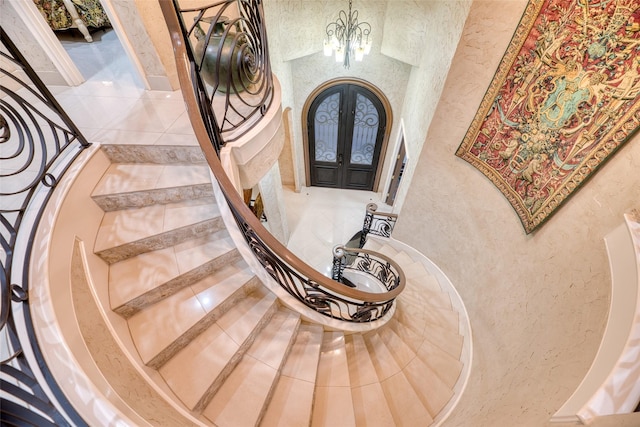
column 46, row 38
column 358, row 82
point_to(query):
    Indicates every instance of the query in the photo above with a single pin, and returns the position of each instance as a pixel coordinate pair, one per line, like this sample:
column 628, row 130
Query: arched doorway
column 347, row 127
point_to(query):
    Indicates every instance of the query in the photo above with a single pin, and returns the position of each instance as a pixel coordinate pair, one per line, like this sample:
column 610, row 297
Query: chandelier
column 347, row 38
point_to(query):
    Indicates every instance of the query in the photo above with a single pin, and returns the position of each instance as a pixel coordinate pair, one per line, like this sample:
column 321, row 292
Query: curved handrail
column 372, row 263
column 279, row 262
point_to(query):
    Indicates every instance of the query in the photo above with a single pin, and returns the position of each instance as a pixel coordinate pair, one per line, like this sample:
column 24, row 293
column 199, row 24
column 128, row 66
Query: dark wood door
column 346, row 130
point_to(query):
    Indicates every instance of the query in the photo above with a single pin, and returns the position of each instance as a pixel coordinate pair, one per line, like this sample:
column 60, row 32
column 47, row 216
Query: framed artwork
column 563, row 100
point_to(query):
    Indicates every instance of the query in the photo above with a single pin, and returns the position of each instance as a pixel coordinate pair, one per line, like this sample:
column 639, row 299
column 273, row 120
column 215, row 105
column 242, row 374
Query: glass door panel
column 365, row 131
column 326, row 121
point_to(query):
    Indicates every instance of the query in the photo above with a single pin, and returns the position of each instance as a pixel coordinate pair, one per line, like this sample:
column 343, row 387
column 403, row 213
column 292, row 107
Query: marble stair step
column 428, row 313
column 127, row 233
column 404, row 404
column 416, row 271
column 373, row 244
column 388, row 250
column 198, row 370
column 292, row 400
column 445, row 339
column 333, row 405
column 442, row 363
column 432, row 391
column 415, row 301
column 403, row 259
column 369, row 402
column 198, row 307
column 145, row 279
column 243, row 398
column 162, row 154
column 410, row 336
column 419, row 292
column 125, row 186
column 401, row 351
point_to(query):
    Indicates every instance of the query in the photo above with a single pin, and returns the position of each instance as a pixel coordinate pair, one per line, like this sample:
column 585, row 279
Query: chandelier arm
column 345, row 36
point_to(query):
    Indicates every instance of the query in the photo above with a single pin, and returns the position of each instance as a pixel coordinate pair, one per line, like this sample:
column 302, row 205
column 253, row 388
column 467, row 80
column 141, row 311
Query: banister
column 39, row 144
column 264, row 245
column 377, row 223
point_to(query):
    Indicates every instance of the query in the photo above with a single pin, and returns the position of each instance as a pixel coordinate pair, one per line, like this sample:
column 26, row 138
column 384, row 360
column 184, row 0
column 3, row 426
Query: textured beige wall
column 426, row 81
column 296, row 28
column 537, row 303
column 285, row 161
column 151, row 16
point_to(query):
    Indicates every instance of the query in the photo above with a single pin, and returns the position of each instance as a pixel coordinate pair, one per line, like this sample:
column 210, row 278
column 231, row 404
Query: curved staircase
column 226, row 348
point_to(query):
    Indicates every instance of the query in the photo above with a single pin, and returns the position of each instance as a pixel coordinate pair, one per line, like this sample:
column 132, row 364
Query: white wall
column 537, row 303
column 14, row 24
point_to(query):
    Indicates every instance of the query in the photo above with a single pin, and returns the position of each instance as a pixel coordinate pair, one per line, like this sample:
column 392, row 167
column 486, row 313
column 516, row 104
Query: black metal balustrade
column 316, row 291
column 376, row 268
column 38, row 142
column 230, row 66
column 377, row 223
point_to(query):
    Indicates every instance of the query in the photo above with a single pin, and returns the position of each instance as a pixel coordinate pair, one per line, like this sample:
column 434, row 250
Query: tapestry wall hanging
column 564, row 98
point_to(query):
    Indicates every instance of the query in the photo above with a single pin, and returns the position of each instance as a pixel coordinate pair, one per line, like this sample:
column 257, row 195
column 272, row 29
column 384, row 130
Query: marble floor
column 112, row 106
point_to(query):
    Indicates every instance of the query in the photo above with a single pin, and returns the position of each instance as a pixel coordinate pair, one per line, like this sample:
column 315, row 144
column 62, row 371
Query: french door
column 346, row 127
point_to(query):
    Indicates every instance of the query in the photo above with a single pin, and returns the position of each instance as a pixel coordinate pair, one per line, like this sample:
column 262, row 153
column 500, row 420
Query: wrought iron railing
column 377, row 271
column 229, row 54
column 313, row 289
column 38, row 142
column 377, row 223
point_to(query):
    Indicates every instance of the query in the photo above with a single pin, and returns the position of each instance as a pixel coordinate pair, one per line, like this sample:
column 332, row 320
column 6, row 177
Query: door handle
column 339, row 159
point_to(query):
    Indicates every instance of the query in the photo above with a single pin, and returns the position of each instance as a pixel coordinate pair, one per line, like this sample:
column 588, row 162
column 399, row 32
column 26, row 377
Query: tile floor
column 112, row 106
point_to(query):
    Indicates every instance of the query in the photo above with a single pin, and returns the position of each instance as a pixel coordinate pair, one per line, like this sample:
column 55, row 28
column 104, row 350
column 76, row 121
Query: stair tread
column 369, row 403
column 417, row 271
column 291, row 403
column 293, row 396
column 333, row 368
column 126, row 226
column 428, row 313
column 405, row 405
column 209, row 354
column 412, row 338
column 370, row 406
column 381, row 357
column 402, row 353
column 333, row 406
column 253, row 378
column 135, row 276
column 154, row 329
column 449, row 341
column 432, row 391
column 302, row 362
column 442, row 363
column 361, row 369
column 402, row 258
column 387, row 250
column 235, row 323
column 373, row 244
column 332, row 403
column 419, row 294
column 136, row 177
